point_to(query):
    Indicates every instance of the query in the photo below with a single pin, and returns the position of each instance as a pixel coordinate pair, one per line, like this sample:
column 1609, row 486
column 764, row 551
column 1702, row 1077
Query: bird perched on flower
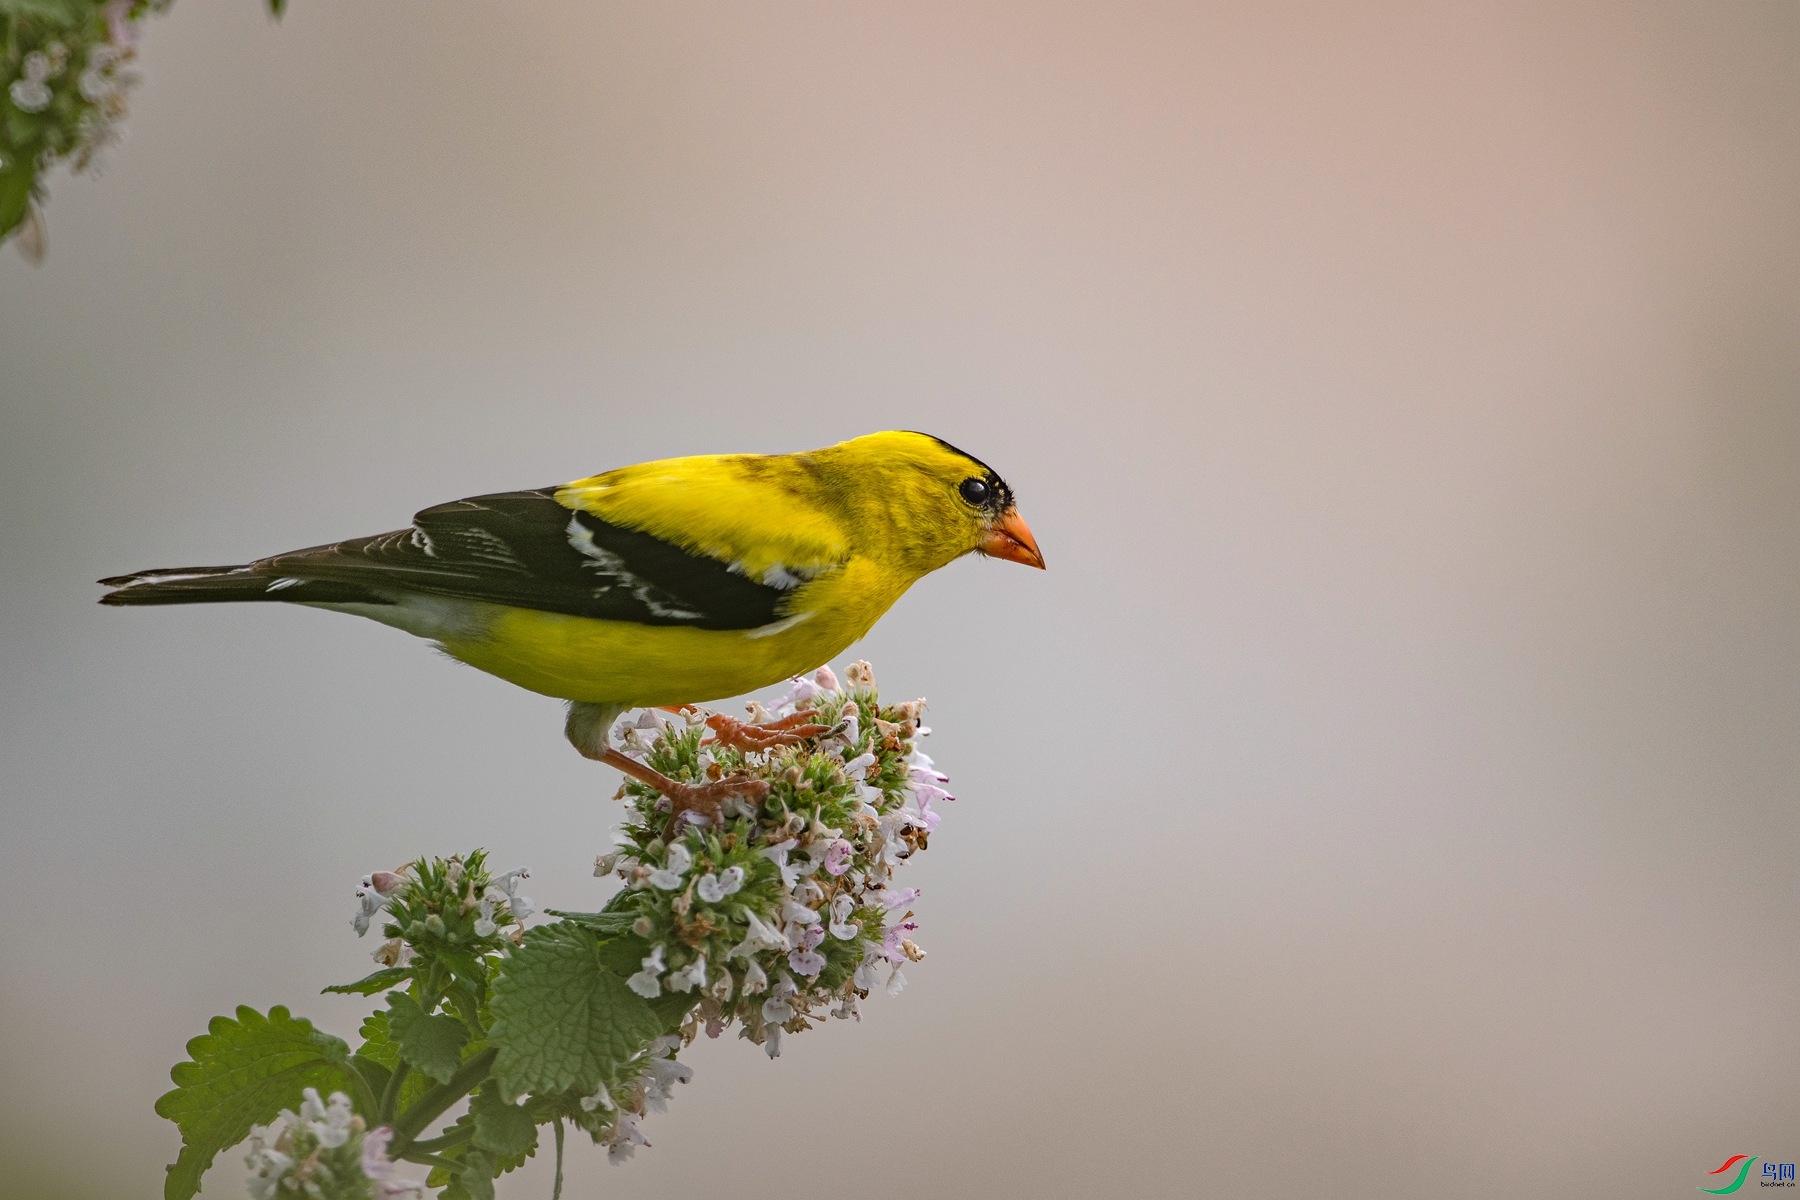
column 662, row 584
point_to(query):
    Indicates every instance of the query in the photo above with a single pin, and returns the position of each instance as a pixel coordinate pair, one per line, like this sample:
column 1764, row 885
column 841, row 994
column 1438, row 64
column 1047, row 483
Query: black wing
column 526, row 550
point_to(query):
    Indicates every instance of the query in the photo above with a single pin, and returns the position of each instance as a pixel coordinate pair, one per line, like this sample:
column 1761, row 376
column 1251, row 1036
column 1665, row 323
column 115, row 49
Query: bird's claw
column 790, row 730
column 708, row 799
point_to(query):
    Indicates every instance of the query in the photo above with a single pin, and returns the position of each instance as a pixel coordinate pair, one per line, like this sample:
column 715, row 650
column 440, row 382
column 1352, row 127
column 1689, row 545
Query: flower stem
column 390, row 1095
column 448, row 1141
column 365, row 1095
column 556, row 1192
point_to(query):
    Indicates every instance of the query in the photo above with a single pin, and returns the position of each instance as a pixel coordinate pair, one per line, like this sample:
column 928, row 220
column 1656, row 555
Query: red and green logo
column 1743, row 1163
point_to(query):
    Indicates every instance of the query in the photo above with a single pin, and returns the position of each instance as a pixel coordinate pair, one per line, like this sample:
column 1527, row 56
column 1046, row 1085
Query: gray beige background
column 1389, row 790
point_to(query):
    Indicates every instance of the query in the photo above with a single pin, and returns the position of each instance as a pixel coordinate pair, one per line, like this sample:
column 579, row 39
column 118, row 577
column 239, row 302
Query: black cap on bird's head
column 1007, row 535
column 927, row 501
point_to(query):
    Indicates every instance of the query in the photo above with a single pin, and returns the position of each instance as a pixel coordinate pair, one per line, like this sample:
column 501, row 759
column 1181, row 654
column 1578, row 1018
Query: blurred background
column 1388, row 791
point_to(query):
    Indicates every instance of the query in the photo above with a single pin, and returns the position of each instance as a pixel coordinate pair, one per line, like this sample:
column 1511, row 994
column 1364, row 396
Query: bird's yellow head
column 929, row 501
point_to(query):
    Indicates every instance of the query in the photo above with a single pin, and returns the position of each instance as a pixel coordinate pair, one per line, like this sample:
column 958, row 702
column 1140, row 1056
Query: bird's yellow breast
column 617, row 662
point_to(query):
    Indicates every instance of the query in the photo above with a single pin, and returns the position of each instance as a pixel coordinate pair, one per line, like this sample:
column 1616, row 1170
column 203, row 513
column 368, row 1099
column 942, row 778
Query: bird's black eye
column 975, row 491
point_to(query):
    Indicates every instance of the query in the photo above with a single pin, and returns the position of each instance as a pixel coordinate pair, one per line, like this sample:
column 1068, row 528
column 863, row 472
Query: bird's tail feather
column 220, row 585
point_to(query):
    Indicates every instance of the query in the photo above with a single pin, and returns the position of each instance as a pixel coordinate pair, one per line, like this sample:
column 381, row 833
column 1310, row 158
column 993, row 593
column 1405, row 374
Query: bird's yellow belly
column 613, row 662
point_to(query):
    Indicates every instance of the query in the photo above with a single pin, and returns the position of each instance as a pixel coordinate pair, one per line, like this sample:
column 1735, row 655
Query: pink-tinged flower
column 798, row 693
column 890, row 942
column 119, row 29
column 837, row 857
column 927, row 792
column 375, row 1162
column 865, row 972
column 827, row 679
column 927, row 817
column 892, row 898
column 806, row 962
column 804, row 958
column 386, row 882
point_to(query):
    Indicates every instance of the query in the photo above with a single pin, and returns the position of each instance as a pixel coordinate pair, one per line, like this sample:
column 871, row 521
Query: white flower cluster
column 323, row 1153
column 102, row 83
column 652, row 1078
column 788, row 907
column 31, row 92
column 464, row 893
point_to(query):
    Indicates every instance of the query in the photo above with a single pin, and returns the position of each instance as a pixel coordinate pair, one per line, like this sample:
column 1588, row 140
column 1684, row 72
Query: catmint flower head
column 789, row 908
column 323, row 1152
column 443, row 905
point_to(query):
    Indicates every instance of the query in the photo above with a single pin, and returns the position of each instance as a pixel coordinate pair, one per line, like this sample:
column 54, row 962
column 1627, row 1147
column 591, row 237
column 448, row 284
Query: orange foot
column 685, row 799
column 790, row 730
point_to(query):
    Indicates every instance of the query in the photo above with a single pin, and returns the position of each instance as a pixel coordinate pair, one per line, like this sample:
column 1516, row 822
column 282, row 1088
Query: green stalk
column 390, row 1096
column 448, row 1141
column 556, row 1192
column 364, row 1097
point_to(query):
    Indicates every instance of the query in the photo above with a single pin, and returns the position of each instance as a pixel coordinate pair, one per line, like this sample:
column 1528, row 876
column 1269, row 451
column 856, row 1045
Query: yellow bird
column 666, row 583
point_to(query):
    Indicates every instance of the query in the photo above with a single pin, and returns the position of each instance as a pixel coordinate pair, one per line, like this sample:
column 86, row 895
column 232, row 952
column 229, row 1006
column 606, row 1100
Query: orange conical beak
column 1011, row 539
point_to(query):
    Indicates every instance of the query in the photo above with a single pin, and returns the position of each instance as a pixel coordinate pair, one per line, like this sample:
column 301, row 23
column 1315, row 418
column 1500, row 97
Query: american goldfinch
column 662, row 584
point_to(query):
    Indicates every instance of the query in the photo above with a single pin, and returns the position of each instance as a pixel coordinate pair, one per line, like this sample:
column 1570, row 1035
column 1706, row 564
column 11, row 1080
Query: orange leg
column 705, row 799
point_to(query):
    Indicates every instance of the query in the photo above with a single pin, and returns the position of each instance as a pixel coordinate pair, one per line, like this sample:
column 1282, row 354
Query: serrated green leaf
column 611, row 921
column 368, row 985
column 379, row 1048
column 241, row 1073
column 475, row 1172
column 432, row 1044
column 561, row 1020
column 505, row 1130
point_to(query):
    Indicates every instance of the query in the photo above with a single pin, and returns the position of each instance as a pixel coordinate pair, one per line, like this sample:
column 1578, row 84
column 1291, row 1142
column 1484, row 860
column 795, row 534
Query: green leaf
column 505, row 1130
column 241, row 1073
column 380, row 1049
column 475, row 1172
column 368, row 985
column 432, row 1044
column 561, row 1020
column 611, row 921
column 16, row 180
